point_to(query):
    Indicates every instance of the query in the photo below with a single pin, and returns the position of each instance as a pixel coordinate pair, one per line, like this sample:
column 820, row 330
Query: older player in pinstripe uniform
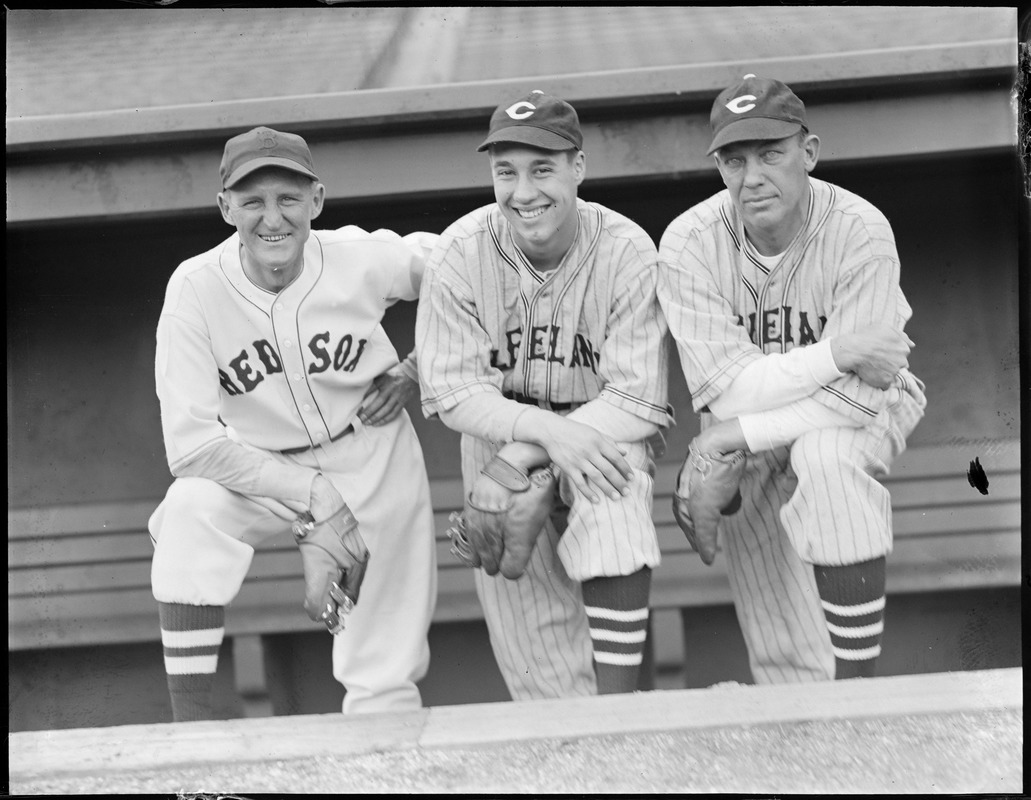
column 540, row 338
column 782, row 294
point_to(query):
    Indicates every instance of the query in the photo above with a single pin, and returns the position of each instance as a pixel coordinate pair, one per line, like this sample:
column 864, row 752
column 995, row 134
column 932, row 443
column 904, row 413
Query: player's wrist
column 842, row 353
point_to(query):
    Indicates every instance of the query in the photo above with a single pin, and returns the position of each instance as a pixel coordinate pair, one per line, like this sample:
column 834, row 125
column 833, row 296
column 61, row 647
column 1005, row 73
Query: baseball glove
column 501, row 538
column 707, row 488
column 334, row 557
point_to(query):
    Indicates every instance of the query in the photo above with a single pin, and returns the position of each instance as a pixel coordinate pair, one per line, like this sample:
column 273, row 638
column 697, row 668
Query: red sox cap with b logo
column 537, row 120
column 755, row 108
column 264, row 147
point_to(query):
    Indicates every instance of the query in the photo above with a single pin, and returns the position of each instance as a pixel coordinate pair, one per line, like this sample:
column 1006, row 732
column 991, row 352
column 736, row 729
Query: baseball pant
column 205, row 536
column 539, row 630
column 816, row 501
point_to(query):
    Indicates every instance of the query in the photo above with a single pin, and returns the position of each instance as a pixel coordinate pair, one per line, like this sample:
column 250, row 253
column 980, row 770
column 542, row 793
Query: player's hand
column 723, row 437
column 386, row 398
column 592, row 462
column 325, row 499
column 875, row 354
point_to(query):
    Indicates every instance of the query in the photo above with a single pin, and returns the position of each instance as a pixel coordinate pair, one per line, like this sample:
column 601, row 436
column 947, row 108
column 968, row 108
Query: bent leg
column 840, row 520
column 611, row 547
column 198, row 567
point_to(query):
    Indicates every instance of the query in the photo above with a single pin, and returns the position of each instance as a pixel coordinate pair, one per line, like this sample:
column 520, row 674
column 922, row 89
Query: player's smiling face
column 769, row 185
column 272, row 210
column 536, row 191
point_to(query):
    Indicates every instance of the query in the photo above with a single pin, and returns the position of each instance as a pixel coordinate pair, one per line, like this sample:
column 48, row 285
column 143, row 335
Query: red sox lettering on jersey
column 293, row 364
column 247, row 377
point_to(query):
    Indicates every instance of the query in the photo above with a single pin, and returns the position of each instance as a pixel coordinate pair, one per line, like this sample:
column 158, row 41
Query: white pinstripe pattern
column 600, row 335
column 191, row 665
column 715, row 293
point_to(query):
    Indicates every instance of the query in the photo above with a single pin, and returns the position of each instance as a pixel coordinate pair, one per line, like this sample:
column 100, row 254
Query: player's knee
column 188, row 499
column 828, row 447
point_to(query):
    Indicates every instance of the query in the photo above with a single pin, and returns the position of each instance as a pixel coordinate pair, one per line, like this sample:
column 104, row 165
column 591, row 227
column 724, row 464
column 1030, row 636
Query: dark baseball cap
column 264, row 147
column 755, row 108
column 538, row 120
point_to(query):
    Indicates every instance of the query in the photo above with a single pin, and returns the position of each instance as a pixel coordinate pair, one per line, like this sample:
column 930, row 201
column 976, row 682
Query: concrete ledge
column 54, row 754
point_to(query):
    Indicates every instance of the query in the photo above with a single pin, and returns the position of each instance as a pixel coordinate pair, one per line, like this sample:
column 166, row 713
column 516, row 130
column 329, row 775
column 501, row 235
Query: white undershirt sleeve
column 776, row 380
column 486, row 415
column 616, row 423
column 248, row 471
column 765, row 430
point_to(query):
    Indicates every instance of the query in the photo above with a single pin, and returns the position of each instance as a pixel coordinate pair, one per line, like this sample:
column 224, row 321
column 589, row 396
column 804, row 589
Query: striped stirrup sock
column 617, row 610
column 853, row 600
column 192, row 636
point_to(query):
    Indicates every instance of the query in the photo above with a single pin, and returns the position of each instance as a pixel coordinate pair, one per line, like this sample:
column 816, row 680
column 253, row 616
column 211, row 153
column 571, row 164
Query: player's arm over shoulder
column 400, row 260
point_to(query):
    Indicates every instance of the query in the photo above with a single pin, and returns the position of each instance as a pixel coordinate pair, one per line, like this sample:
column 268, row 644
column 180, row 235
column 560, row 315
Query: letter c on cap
column 521, row 110
column 739, row 105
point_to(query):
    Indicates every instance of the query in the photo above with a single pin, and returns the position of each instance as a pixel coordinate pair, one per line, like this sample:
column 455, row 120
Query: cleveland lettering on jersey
column 793, row 322
column 544, row 346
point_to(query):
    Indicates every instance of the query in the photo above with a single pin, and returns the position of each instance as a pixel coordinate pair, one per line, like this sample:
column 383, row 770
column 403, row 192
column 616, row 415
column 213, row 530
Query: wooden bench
column 80, row 575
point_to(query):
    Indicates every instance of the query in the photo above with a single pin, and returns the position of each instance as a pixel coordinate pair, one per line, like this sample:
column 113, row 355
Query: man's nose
column 524, row 189
column 753, row 172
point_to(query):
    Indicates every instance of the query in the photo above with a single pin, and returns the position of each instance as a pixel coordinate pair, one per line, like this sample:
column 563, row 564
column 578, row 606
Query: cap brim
column 752, row 129
column 260, row 163
column 528, row 135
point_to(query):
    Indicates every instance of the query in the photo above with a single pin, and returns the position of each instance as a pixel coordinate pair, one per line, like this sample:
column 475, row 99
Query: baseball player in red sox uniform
column 539, row 338
column 782, row 294
column 280, row 393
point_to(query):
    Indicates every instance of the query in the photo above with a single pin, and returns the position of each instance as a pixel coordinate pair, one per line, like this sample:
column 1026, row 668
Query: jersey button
column 297, row 376
column 287, row 343
column 279, row 306
column 307, row 407
column 319, row 437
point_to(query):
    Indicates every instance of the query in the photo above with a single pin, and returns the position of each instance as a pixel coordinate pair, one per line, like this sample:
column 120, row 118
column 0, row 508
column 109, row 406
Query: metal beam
column 159, row 184
column 637, row 124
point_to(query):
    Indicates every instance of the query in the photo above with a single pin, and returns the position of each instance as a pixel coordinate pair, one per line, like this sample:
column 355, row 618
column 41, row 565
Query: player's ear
column 223, row 206
column 580, row 166
column 811, row 146
column 318, row 199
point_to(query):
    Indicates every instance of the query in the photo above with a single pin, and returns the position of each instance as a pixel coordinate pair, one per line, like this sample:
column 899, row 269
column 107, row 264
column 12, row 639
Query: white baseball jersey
column 489, row 322
column 288, row 371
column 292, row 366
column 725, row 309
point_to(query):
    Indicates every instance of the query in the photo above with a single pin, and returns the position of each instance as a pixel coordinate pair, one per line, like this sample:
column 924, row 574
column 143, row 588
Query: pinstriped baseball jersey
column 489, row 322
column 584, row 330
column 840, row 273
column 817, row 501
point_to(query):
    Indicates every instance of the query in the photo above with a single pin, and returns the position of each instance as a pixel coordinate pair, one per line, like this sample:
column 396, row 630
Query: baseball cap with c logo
column 754, row 109
column 537, row 120
column 264, row 147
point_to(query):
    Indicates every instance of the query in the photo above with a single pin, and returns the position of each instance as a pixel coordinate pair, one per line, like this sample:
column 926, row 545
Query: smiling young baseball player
column 540, row 340
column 782, row 293
column 282, row 401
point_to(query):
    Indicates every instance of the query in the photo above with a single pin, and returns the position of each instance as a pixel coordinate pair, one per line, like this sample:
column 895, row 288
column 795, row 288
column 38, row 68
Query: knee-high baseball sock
column 192, row 636
column 853, row 603
column 617, row 609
